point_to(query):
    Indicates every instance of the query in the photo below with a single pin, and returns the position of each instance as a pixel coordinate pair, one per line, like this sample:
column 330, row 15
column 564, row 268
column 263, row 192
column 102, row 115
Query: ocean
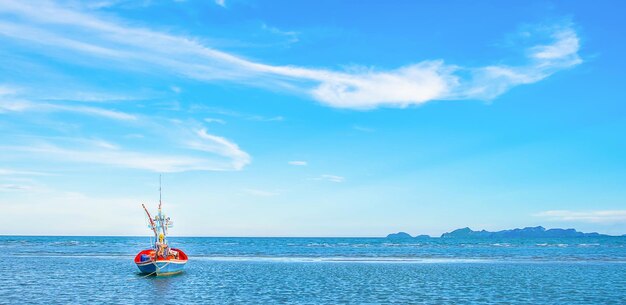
column 100, row 270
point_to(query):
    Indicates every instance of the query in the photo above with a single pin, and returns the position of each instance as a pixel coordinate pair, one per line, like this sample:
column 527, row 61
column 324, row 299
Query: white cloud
column 298, row 163
column 414, row 84
column 600, row 216
column 544, row 60
column 127, row 46
column 221, row 3
column 331, row 178
column 566, row 46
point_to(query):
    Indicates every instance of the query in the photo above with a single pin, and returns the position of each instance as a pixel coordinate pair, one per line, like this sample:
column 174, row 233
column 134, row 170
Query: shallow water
column 88, row 270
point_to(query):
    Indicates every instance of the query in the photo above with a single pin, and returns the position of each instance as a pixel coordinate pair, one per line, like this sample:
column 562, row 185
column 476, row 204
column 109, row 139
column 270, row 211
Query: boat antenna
column 159, row 193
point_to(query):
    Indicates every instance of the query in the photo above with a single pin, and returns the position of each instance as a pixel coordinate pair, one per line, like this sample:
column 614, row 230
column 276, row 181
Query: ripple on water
column 92, row 280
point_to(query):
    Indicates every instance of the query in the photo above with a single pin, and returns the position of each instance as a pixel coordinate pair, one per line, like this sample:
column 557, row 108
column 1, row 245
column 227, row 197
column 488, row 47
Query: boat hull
column 161, row 266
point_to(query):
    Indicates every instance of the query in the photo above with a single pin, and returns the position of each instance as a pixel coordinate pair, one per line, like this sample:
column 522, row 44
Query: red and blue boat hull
column 162, row 266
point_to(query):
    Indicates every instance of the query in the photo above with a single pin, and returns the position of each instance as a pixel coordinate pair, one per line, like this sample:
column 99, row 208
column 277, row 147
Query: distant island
column 528, row 232
column 404, row 235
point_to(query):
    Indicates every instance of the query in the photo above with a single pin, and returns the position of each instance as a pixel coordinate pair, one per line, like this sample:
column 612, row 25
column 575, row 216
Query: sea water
column 100, row 270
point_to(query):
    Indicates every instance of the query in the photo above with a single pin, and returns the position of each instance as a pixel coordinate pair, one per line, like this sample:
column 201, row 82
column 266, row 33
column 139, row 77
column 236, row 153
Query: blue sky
column 311, row 118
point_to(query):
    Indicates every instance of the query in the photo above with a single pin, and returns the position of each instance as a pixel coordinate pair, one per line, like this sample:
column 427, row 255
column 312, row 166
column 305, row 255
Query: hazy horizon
column 149, row 234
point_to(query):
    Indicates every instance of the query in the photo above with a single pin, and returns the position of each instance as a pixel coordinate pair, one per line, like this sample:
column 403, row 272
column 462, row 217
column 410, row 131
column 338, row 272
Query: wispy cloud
column 126, row 46
column 82, row 95
column 188, row 149
column 266, row 119
column 543, row 61
column 176, row 89
column 599, row 216
column 157, row 162
column 15, row 105
column 134, row 136
column 260, row 193
column 234, row 114
column 223, row 147
column 221, row 3
column 7, row 90
column 330, row 178
column 298, row 163
column 362, row 128
column 111, row 114
column 14, row 187
column 12, row 172
column 291, row 36
column 213, row 120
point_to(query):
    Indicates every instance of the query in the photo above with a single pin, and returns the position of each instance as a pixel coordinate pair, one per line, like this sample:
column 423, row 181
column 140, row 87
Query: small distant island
column 528, row 232
column 404, row 235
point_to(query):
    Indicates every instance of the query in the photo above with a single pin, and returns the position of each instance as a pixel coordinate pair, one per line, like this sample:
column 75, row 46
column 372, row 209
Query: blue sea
column 100, row 270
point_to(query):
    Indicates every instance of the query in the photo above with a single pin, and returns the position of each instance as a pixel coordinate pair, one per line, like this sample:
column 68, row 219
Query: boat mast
column 159, row 194
column 163, row 225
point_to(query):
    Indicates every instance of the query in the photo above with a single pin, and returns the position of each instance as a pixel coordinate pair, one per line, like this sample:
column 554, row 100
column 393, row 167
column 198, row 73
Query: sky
column 311, row 118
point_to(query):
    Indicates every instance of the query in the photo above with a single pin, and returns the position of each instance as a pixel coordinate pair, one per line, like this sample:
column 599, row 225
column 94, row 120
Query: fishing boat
column 160, row 259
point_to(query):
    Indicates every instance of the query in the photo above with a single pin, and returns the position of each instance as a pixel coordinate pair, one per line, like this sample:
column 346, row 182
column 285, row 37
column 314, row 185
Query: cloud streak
column 14, row 187
column 126, row 46
column 298, row 163
column 11, row 172
column 222, row 147
column 12, row 105
column 600, row 216
column 94, row 152
column 189, row 146
column 221, row 3
column 261, row 193
column 330, row 178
